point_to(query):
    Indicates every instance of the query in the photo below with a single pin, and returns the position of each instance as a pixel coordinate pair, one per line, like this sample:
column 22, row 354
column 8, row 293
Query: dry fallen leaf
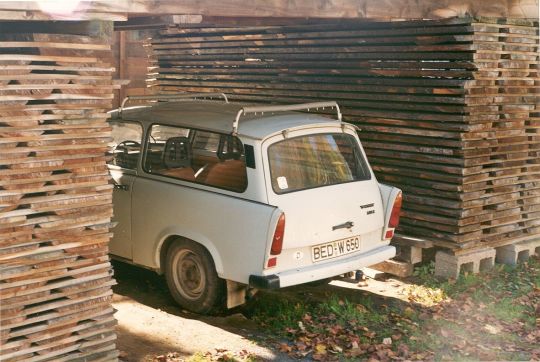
column 320, row 348
column 491, row 329
column 360, row 308
column 285, row 348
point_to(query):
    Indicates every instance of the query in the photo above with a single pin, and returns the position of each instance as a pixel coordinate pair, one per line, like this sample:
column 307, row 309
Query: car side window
column 126, row 147
column 167, row 150
column 202, row 157
column 206, row 141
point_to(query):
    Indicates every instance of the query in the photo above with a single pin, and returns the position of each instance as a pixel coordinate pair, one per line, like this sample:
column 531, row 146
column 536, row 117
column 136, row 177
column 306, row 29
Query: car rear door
column 327, row 216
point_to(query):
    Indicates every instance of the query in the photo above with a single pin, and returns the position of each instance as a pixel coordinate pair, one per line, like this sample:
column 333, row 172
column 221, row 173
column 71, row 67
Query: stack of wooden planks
column 449, row 109
column 55, row 200
column 131, row 63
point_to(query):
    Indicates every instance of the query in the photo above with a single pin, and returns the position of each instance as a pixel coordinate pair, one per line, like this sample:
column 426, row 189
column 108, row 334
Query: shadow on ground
column 150, row 289
column 151, row 324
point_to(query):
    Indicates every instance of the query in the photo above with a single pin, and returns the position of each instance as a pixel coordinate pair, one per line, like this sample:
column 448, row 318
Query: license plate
column 335, row 249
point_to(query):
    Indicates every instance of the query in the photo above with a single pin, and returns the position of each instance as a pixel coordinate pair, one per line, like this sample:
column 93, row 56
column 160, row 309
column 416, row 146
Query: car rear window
column 316, row 160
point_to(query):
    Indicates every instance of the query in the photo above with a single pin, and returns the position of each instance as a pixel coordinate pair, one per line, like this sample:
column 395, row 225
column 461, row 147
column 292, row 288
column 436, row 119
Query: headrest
column 177, row 153
column 230, row 148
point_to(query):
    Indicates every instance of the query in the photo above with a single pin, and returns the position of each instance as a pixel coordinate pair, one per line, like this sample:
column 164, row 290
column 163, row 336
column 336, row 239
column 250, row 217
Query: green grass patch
column 471, row 318
column 517, row 280
column 273, row 311
column 277, row 313
column 506, row 310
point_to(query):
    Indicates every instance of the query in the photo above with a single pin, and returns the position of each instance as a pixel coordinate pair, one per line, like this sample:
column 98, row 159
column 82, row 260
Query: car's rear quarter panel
column 235, row 231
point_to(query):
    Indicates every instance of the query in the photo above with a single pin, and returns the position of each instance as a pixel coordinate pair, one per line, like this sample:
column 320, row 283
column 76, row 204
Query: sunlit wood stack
column 449, row 109
column 55, row 200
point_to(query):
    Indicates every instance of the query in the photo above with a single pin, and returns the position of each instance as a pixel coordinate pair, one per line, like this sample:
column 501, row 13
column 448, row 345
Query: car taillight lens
column 272, row 262
column 394, row 216
column 277, row 241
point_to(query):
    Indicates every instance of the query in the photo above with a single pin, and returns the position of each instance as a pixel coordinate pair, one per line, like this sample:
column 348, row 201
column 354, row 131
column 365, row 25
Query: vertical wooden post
column 122, row 63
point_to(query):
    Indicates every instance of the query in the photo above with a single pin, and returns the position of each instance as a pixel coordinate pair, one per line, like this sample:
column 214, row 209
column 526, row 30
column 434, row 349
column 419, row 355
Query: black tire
column 192, row 278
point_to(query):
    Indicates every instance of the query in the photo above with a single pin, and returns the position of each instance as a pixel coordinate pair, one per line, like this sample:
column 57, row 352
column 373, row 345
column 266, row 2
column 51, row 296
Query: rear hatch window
column 317, row 160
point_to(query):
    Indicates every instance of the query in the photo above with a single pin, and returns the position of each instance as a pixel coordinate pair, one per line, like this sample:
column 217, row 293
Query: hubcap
column 189, row 277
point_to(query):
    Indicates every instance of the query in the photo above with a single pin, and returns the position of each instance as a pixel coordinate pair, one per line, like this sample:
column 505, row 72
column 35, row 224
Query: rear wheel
column 192, row 278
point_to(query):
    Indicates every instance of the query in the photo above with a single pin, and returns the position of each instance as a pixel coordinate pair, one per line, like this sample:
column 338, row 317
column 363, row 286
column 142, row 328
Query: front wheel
column 192, row 278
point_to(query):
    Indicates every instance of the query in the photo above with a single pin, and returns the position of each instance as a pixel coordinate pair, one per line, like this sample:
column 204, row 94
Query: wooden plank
column 58, row 45
column 332, row 31
column 394, row 267
column 10, row 15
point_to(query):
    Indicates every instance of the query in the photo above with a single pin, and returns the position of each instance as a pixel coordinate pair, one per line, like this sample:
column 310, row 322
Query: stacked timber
column 449, row 109
column 55, row 200
column 131, row 63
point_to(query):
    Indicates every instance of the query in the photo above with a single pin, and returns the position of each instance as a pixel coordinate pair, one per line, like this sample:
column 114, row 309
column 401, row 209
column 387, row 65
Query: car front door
column 126, row 152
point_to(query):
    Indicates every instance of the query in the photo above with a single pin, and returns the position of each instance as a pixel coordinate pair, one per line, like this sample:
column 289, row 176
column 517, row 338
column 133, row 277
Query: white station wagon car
column 224, row 199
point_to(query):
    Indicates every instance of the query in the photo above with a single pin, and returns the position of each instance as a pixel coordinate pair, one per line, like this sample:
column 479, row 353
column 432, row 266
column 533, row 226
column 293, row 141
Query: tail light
column 393, row 222
column 277, row 241
column 394, row 216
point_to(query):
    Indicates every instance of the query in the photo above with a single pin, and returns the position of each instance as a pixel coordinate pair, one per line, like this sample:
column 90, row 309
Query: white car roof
column 218, row 116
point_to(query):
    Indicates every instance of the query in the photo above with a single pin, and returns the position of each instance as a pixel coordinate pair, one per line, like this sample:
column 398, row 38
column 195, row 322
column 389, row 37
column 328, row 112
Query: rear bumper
column 264, row 281
column 320, row 271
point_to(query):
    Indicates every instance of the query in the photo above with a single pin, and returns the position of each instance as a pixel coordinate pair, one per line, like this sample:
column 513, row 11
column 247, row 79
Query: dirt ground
column 145, row 332
column 150, row 324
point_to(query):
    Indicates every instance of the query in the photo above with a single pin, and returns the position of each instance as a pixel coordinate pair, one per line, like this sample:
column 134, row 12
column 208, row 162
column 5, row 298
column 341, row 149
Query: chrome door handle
column 345, row 225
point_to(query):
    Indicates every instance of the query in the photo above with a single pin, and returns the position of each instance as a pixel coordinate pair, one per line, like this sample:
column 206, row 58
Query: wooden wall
column 131, row 62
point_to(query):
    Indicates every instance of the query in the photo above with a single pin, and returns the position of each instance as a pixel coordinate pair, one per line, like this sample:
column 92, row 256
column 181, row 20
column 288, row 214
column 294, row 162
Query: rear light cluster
column 394, row 217
column 277, row 241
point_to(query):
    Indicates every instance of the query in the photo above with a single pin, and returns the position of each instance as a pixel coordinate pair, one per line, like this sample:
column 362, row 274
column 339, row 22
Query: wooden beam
column 122, row 62
column 99, row 29
column 156, row 22
column 14, row 15
column 377, row 9
column 382, row 9
column 394, row 267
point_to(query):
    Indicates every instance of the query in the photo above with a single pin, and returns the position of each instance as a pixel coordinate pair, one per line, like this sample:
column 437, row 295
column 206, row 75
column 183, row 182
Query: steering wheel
column 120, row 152
column 126, row 144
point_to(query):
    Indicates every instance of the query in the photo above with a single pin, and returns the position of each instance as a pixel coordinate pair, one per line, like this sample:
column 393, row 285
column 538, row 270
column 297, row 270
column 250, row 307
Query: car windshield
column 316, row 160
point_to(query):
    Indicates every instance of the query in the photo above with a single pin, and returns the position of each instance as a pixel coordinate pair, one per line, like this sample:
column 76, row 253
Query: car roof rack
column 170, row 97
column 285, row 108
